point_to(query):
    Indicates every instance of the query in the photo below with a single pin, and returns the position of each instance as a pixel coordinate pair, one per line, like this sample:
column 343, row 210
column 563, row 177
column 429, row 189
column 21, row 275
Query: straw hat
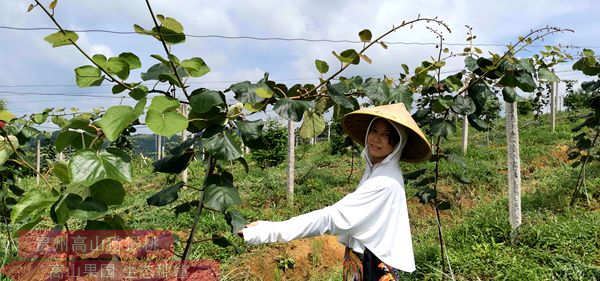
column 417, row 147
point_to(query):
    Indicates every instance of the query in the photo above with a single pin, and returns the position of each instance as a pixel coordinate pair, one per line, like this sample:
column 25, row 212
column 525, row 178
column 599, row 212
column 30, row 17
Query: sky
column 36, row 76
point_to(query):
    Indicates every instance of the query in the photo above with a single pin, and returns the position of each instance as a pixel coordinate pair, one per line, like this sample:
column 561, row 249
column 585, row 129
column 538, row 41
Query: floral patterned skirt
column 366, row 267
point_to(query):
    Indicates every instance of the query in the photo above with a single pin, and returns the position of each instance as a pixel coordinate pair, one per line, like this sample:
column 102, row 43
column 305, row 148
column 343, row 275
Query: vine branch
column 113, row 79
column 162, row 40
column 377, row 40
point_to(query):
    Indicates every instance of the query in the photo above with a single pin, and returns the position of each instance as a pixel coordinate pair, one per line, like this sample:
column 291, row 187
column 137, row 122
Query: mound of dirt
column 297, row 260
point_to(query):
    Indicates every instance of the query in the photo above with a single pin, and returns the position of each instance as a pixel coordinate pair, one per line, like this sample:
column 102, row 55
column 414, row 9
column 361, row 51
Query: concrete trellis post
column 514, row 166
column 291, row 163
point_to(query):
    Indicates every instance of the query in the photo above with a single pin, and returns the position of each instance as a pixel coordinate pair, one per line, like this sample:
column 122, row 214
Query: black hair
column 394, row 137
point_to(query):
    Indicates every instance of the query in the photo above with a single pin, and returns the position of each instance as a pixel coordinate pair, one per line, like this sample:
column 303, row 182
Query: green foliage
column 340, row 143
column 525, row 106
column 578, row 100
column 585, row 149
column 275, row 150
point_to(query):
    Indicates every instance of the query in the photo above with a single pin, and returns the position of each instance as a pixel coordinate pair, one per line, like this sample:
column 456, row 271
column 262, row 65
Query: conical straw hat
column 417, row 147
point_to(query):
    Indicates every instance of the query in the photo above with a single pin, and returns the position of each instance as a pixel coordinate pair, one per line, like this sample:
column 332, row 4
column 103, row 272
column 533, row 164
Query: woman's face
column 378, row 140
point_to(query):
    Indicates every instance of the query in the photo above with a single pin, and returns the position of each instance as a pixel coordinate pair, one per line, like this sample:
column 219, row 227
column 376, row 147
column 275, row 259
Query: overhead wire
column 274, row 38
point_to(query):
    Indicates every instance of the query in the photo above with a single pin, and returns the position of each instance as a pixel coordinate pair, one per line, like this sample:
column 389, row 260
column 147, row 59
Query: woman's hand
column 241, row 233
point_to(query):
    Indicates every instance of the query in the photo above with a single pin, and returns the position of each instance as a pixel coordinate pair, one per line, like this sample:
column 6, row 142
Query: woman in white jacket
column 373, row 220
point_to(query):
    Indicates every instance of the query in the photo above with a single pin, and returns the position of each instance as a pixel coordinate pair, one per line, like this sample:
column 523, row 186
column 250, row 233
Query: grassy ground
column 555, row 242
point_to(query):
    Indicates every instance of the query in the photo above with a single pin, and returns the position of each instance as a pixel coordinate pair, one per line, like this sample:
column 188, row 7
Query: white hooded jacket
column 374, row 216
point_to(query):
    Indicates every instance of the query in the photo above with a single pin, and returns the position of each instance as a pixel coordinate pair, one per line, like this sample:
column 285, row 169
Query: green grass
column 555, row 241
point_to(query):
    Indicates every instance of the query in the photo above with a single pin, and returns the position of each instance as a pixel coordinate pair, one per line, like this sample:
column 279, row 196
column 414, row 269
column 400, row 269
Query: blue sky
column 35, row 76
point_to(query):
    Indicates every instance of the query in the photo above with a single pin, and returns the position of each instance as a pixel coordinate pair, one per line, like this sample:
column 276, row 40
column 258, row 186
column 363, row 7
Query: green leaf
column 463, row 105
column 221, row 241
column 89, row 209
column 6, row 116
column 509, row 94
column 322, row 66
column 250, row 129
column 545, row 74
column 219, row 192
column 223, row 147
column 52, row 5
column 414, row 174
column 61, row 209
column 174, row 59
column 117, row 89
column 32, row 201
column 365, row 35
column 59, row 38
column 377, row 90
column 508, row 80
column 348, row 56
column 312, row 125
column 110, row 192
column 131, row 59
column 185, row 207
column 139, row 92
column 441, row 127
column 235, row 220
column 264, row 92
column 402, row 94
column 155, row 72
column 87, row 167
column 198, row 122
column 480, row 93
column 87, row 76
column 471, row 63
column 6, row 150
column 33, row 221
column 100, row 60
column 454, row 82
column 171, row 78
column 461, row 178
column 116, row 119
column 170, row 23
column 246, row 92
column 161, row 59
column 477, row 123
column 162, row 117
column 195, row 67
column 165, row 196
column 526, row 65
column 337, row 94
column 525, row 81
column 174, row 163
column 426, row 195
column 443, row 103
column 405, row 68
column 292, row 109
column 170, row 36
column 16, row 190
column 202, row 100
column 139, row 106
column 61, row 171
column 70, row 134
column 118, row 66
column 26, row 134
column 455, row 159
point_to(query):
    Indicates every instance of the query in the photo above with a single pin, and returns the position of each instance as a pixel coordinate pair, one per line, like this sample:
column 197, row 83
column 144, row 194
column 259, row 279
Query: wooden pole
column 291, row 163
